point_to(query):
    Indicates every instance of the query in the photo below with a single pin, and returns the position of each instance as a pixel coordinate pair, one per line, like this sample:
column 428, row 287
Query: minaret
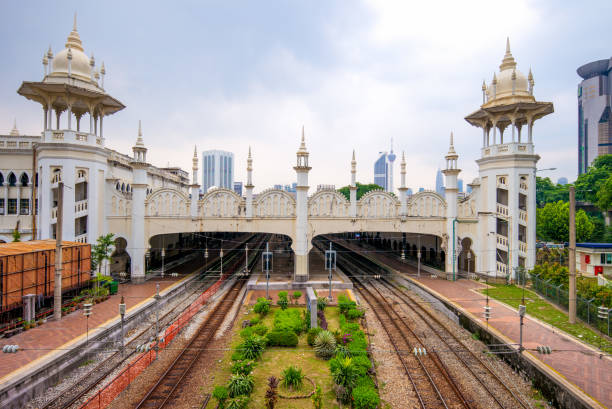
column 507, row 195
column 139, row 187
column 353, row 187
column 195, row 187
column 403, row 190
column 391, row 158
column 249, row 186
column 451, row 172
column 14, row 131
column 301, row 222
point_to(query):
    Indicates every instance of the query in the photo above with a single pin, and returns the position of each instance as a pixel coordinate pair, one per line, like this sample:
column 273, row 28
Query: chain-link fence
column 590, row 312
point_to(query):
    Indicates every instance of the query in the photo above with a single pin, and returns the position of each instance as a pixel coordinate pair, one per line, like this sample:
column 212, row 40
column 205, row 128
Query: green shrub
column 282, row 338
column 239, row 402
column 260, row 329
column 354, row 313
column 290, row 320
column 262, row 306
column 345, row 373
column 255, row 321
column 344, row 304
column 237, row 355
column 292, row 378
column 312, row 334
column 342, row 394
column 243, row 367
column 365, row 381
column 240, row 385
column 365, row 397
column 252, row 347
column 221, row 394
column 283, row 303
column 342, row 351
column 359, row 345
column 363, row 364
column 296, row 296
column 325, row 345
column 317, row 398
column 283, row 295
column 321, row 303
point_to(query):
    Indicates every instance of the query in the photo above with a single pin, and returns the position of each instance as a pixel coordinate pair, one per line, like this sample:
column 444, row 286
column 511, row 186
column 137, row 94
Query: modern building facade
column 594, row 116
column 217, row 169
column 238, row 188
column 440, row 183
column 381, row 171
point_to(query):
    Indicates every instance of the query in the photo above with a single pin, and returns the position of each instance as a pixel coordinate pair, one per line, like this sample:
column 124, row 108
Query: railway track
column 93, row 378
column 165, row 390
column 379, row 295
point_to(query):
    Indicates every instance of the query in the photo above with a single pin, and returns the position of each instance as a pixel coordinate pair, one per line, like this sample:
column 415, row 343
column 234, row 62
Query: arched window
column 57, row 175
column 24, row 179
column 118, row 186
column 123, row 187
column 12, row 179
column 127, row 189
column 1, row 179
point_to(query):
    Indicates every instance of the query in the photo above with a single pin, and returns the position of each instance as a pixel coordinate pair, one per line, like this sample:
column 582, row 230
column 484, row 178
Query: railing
column 587, row 310
column 502, row 268
column 81, row 137
column 82, row 238
column 58, row 136
column 80, row 206
column 522, row 216
column 502, row 210
column 54, row 212
column 522, row 247
column 523, row 186
column 507, row 148
column 502, row 240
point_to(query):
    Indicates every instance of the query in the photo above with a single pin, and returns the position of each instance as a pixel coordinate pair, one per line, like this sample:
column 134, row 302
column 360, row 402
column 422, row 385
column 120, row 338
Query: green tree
column 16, row 236
column 553, row 223
column 588, row 184
column 102, row 251
column 604, row 194
column 547, row 191
column 361, row 190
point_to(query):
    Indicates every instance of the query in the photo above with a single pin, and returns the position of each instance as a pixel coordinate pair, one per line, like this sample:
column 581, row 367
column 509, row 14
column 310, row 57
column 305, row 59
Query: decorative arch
column 274, row 203
column 56, row 175
column 12, row 179
column 468, row 207
column 220, row 202
column 1, row 179
column 24, row 179
column 328, row 203
column 123, row 187
column 378, row 204
column 166, row 202
column 426, row 204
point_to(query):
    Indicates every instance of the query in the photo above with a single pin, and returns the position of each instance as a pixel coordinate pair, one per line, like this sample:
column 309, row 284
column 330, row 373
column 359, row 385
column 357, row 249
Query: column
column 91, row 123
column 195, row 197
column 531, row 219
column 301, row 230
column 68, row 176
column 137, row 242
column 101, row 117
column 353, row 198
column 45, row 113
column 69, row 117
column 513, row 220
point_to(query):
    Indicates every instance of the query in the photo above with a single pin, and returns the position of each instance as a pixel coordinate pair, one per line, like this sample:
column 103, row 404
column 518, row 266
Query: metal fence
column 589, row 311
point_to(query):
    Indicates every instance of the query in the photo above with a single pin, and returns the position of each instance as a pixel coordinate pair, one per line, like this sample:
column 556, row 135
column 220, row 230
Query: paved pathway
column 47, row 338
column 578, row 363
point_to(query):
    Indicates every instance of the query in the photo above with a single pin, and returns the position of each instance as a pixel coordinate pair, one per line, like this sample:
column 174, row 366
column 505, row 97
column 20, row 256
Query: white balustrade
column 82, row 238
column 523, row 216
column 80, row 207
column 502, row 268
column 502, row 240
column 502, row 210
column 522, row 247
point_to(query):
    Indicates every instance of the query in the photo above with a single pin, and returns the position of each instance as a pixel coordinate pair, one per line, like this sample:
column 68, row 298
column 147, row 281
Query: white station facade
column 110, row 192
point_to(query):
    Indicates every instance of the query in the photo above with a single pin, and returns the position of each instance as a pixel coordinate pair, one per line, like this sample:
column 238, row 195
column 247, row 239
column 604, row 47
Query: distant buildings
column 421, row 189
column 409, row 192
column 594, row 116
column 217, row 169
column 383, row 169
column 468, row 189
column 562, row 181
column 292, row 188
column 440, row 183
column 238, row 188
column 460, row 185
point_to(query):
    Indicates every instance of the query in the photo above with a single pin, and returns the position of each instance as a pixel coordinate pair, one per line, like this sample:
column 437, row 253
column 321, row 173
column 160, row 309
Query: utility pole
column 572, row 255
column 57, row 288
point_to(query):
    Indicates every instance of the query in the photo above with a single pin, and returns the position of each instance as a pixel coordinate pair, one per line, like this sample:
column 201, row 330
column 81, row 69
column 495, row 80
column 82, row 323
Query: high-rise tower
column 507, row 169
column 391, row 158
column 301, row 221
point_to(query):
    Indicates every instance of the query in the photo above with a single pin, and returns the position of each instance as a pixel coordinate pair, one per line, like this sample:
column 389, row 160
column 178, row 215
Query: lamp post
column 267, row 261
column 163, row 255
column 157, row 298
column 87, row 313
column 330, row 263
column 122, row 313
column 206, row 259
column 419, row 256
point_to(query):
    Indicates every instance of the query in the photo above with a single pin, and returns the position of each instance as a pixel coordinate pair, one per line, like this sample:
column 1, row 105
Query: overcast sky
column 229, row 74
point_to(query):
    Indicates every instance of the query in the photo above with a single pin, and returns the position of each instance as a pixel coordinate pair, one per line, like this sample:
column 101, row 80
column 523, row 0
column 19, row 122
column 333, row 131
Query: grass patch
column 86, row 362
column 275, row 359
column 544, row 311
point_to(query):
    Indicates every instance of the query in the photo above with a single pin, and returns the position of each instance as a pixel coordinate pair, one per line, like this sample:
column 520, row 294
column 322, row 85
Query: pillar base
column 301, row 268
column 138, row 279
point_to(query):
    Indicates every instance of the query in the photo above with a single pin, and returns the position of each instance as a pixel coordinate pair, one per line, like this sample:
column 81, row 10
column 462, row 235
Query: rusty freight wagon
column 29, row 268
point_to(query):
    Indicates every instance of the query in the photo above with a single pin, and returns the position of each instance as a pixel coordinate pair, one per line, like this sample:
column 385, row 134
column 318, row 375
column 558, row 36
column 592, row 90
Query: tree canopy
column 102, row 250
column 553, row 223
column 361, row 190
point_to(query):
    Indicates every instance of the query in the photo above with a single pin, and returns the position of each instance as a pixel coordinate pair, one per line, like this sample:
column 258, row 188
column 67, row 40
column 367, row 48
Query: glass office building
column 217, row 169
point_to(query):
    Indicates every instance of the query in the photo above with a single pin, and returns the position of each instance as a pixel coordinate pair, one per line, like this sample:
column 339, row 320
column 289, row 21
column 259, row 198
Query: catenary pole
column 57, row 288
column 572, row 255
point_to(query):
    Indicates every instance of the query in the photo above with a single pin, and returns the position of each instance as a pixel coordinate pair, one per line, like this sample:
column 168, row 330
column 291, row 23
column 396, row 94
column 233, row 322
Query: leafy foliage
column 262, row 306
column 243, row 367
column 321, row 303
column 354, row 314
column 16, row 236
column 312, row 334
column 317, row 398
column 283, row 303
column 259, row 329
column 547, row 191
column 365, row 397
column 553, row 223
column 252, row 347
column 272, row 392
column 240, row 385
column 239, row 402
column 345, row 304
column 292, row 378
column 282, row 338
column 345, row 373
column 290, row 320
column 361, row 190
column 221, row 394
column 325, row 345
column 102, row 250
column 296, row 296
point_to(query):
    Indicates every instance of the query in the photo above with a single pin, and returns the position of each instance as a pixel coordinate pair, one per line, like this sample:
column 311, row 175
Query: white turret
column 249, row 186
column 353, row 187
column 195, row 187
column 139, row 194
column 451, row 172
column 301, row 230
column 403, row 190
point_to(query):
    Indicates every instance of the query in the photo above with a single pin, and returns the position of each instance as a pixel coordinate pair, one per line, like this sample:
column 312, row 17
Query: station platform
column 582, row 365
column 39, row 345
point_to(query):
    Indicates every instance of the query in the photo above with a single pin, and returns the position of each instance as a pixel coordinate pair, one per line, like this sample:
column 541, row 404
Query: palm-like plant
column 271, row 393
column 292, row 378
column 253, row 347
column 345, row 373
column 240, row 385
column 325, row 345
column 239, row 402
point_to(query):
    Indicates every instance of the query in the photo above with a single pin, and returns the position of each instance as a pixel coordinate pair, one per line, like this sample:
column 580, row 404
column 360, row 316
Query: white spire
column 15, row 131
column 139, row 141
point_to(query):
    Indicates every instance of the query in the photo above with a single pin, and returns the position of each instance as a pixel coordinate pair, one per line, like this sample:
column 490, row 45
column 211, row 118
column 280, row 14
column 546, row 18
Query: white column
column 353, row 198
column 451, row 214
column 531, row 220
column 137, row 243
column 45, row 113
column 513, row 220
column 195, row 197
column 68, row 176
column 91, row 124
column 301, row 228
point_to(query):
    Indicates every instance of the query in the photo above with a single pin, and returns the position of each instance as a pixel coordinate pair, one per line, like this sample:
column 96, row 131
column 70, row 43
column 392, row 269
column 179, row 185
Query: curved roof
column 595, row 68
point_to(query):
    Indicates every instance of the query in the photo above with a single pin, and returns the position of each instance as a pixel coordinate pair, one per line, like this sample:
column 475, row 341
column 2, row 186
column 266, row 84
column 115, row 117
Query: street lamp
column 122, row 313
column 330, row 263
column 87, row 313
column 542, row 170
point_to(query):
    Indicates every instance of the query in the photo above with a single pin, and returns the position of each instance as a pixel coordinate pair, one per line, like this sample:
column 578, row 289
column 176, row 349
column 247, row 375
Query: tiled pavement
column 578, row 363
column 46, row 339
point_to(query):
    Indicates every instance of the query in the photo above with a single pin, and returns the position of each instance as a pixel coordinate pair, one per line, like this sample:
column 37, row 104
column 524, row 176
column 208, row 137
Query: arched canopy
column 12, row 179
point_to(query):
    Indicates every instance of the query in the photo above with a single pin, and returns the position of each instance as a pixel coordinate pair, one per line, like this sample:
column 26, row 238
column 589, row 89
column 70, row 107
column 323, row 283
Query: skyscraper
column 381, row 171
column 594, row 116
column 238, row 188
column 217, row 169
column 460, row 185
column 439, row 182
